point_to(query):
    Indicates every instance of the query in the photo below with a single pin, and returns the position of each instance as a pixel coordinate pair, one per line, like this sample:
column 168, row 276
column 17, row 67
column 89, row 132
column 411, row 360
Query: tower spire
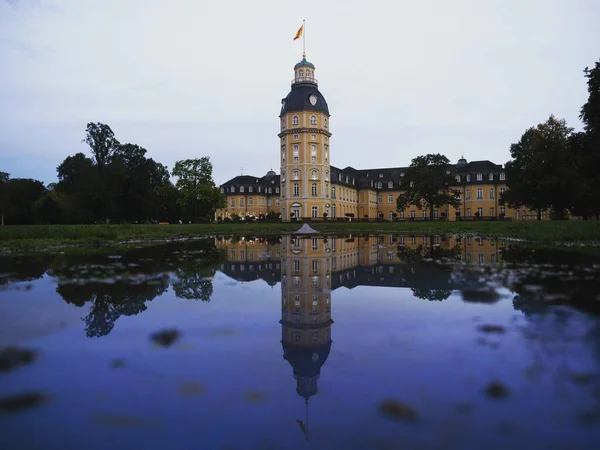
column 303, row 38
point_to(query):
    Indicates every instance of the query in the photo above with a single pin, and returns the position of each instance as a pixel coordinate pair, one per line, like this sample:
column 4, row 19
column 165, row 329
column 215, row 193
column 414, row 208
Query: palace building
column 308, row 186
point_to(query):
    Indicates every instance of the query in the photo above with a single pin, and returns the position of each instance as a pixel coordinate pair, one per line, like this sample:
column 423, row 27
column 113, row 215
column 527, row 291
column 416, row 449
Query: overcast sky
column 188, row 78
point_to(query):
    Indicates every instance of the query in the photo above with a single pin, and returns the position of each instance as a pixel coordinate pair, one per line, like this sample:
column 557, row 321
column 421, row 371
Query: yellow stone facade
column 310, row 188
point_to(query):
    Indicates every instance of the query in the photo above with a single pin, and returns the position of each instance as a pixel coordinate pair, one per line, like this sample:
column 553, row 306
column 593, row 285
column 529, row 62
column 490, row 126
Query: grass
column 44, row 236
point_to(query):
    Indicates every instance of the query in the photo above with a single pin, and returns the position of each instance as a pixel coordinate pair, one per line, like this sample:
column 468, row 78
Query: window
column 232, row 188
column 390, row 184
column 313, row 137
column 492, row 194
column 468, row 212
column 333, row 215
column 296, row 153
column 503, row 210
column 325, row 124
column 315, row 244
column 296, row 266
column 315, row 212
column 315, row 269
column 479, row 194
column 412, row 183
column 233, row 202
column 424, row 214
column 313, row 120
column 296, row 189
column 326, row 175
column 491, row 212
column 326, row 153
column 480, row 212
column 313, row 190
column 283, row 123
column 332, row 192
column 380, row 175
column 295, row 174
column 458, row 195
column 412, row 215
column 502, row 191
column 391, row 198
column 277, row 190
column 491, row 177
column 296, row 137
column 250, row 189
column 222, row 190
column 250, row 201
column 435, row 213
column 241, row 202
column 502, row 176
column 241, row 188
column 314, row 174
column 479, row 177
column 468, row 194
column 379, row 199
column 313, row 153
column 282, row 177
column 295, row 120
column 379, row 185
column 391, row 215
column 458, row 178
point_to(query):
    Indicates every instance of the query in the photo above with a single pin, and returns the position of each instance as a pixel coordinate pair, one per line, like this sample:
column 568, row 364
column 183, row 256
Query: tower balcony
column 305, row 80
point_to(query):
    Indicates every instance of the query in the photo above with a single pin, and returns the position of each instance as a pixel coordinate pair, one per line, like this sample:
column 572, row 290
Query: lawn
column 44, row 236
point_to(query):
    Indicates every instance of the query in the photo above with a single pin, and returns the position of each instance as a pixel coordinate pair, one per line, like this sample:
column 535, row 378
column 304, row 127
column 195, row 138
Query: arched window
column 502, row 176
column 492, row 193
column 241, row 188
column 314, row 189
column 250, row 189
column 458, row 178
column 232, row 189
column 390, row 184
column 296, row 174
column 295, row 120
column 314, row 174
column 479, row 177
column 313, row 120
column 379, row 185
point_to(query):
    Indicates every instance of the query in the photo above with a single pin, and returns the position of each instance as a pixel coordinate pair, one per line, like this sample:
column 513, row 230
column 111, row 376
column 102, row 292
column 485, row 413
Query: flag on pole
column 299, row 32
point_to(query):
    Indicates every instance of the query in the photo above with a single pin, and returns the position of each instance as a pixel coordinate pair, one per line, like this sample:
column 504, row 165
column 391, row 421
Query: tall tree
column 590, row 111
column 102, row 142
column 22, row 194
column 197, row 190
column 428, row 184
column 541, row 174
column 4, row 177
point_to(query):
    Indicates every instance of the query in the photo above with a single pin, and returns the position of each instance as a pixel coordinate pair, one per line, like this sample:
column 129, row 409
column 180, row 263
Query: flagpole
column 303, row 38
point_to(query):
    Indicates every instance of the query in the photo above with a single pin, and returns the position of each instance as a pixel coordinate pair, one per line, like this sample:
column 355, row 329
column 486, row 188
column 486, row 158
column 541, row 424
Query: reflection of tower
column 306, row 311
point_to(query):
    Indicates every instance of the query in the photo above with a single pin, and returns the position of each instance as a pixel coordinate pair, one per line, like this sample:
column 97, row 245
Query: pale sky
column 189, row 78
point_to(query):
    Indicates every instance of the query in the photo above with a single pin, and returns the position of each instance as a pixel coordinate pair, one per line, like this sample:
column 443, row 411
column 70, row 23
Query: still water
column 349, row 342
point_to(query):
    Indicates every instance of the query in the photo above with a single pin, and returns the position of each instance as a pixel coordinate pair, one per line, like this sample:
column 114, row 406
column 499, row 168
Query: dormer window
column 277, row 190
column 390, row 184
column 402, row 174
column 259, row 189
column 479, row 177
column 457, row 178
column 222, row 190
column 380, row 175
column 232, row 188
column 295, row 120
column 412, row 184
column 313, row 120
column 502, row 176
column 468, row 178
column 241, row 188
column 491, row 177
column 379, row 185
column 250, row 189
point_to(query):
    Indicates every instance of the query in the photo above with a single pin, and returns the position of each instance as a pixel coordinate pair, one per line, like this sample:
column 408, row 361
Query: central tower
column 304, row 138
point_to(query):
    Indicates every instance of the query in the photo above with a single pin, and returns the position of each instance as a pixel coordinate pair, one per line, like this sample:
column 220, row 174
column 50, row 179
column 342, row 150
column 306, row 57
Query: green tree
column 428, row 184
column 197, row 190
column 4, row 177
column 541, row 174
column 101, row 139
column 22, row 194
column 590, row 111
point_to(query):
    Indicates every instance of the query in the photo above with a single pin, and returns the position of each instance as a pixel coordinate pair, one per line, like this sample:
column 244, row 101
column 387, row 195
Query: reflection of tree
column 122, row 286
column 194, row 284
column 14, row 269
column 427, row 279
column 109, row 301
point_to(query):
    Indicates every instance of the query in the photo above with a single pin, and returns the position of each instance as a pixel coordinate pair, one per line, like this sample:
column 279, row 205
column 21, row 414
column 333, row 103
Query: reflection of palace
column 309, row 269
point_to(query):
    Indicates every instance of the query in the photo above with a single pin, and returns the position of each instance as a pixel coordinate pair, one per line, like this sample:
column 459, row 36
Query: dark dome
column 303, row 359
column 271, row 173
column 462, row 162
column 297, row 99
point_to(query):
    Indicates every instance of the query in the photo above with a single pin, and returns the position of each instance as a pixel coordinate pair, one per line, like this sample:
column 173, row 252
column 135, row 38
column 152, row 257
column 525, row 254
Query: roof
column 298, row 99
column 304, row 63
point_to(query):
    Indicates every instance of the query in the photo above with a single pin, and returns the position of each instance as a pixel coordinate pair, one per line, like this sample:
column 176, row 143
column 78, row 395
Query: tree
column 541, row 174
column 590, row 111
column 22, row 193
column 102, row 142
column 197, row 190
column 4, row 177
column 427, row 182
